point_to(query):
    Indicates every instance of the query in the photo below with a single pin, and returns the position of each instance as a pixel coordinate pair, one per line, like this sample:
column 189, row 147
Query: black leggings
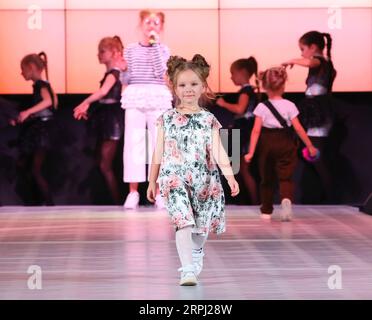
column 31, row 168
column 106, row 151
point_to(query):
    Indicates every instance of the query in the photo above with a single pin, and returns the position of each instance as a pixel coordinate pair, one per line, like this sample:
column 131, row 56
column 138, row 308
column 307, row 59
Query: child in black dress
column 36, row 122
column 242, row 71
column 108, row 117
column 316, row 112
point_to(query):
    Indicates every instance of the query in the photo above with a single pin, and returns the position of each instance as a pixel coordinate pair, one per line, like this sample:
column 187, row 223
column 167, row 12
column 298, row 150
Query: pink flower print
column 174, row 182
column 180, row 120
column 214, row 223
column 176, row 155
column 171, row 144
column 203, row 195
column 189, row 177
column 166, row 191
column 197, row 156
column 216, row 124
column 215, row 191
column 209, row 120
column 177, row 218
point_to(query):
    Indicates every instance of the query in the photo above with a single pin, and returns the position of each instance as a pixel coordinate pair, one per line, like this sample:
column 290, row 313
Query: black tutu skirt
column 316, row 111
column 245, row 126
column 107, row 121
column 35, row 134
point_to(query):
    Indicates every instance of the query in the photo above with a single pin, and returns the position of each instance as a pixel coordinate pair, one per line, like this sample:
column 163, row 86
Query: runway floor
column 91, row 252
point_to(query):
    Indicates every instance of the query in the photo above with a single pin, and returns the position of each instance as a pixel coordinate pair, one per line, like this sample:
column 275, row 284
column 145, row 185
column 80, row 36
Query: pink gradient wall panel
column 17, row 40
column 222, row 31
column 272, row 35
column 195, row 31
column 86, row 28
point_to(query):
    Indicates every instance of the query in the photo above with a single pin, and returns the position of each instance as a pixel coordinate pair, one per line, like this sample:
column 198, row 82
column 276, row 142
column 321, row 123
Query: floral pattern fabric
column 189, row 178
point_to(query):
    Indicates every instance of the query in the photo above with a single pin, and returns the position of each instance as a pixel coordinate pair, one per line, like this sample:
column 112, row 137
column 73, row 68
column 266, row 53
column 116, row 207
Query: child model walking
column 277, row 148
column 187, row 149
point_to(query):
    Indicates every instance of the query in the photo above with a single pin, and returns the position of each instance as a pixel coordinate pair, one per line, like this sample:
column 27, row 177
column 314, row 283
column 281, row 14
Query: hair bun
column 200, row 61
column 173, row 63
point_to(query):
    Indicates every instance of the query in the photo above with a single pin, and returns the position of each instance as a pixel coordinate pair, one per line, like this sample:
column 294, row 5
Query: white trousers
column 135, row 153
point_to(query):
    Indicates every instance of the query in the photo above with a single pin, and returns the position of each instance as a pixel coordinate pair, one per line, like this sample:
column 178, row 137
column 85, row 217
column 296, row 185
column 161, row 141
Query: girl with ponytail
column 242, row 70
column 36, row 123
column 107, row 116
column 316, row 112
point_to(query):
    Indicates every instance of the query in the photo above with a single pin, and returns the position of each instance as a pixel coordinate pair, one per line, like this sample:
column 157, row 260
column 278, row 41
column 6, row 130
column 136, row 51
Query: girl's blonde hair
column 273, row 78
column 112, row 43
column 145, row 13
column 198, row 64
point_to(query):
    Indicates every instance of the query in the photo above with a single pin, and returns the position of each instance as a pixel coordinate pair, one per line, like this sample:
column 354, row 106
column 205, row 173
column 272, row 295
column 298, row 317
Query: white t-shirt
column 286, row 108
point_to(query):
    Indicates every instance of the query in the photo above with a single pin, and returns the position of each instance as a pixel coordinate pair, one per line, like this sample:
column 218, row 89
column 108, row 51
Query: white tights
column 186, row 242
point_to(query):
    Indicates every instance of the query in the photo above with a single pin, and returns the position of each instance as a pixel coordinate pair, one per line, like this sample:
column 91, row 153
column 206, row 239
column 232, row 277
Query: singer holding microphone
column 144, row 99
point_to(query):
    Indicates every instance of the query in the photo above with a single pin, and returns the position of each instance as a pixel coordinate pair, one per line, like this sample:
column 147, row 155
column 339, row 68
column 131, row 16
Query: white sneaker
column 188, row 277
column 159, row 202
column 197, row 259
column 286, row 213
column 266, row 216
column 132, row 200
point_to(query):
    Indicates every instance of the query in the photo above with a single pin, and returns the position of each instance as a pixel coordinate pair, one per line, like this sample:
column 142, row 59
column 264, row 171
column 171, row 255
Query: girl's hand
column 288, row 63
column 313, row 151
column 234, row 186
column 151, row 192
column 80, row 112
column 248, row 157
column 23, row 116
column 220, row 102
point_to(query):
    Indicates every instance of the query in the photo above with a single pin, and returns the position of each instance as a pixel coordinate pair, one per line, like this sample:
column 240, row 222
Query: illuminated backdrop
column 223, row 31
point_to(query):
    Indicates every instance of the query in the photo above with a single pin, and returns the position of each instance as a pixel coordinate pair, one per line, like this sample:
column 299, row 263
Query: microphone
column 153, row 38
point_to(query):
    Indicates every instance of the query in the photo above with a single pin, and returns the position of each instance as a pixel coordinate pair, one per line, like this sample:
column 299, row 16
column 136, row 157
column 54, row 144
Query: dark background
column 75, row 178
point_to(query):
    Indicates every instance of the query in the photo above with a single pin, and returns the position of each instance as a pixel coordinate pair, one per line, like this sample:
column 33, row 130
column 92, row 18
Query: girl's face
column 239, row 77
column 151, row 23
column 189, row 87
column 307, row 51
column 105, row 55
column 28, row 71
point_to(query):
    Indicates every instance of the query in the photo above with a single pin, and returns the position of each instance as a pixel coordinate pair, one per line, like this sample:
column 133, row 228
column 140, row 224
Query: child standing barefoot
column 188, row 142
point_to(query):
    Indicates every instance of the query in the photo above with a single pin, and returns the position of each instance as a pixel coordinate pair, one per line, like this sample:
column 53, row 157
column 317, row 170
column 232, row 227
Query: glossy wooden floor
column 108, row 253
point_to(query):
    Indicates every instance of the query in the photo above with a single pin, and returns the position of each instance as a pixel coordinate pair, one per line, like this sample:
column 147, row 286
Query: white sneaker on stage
column 197, row 259
column 286, row 214
column 132, row 200
column 188, row 277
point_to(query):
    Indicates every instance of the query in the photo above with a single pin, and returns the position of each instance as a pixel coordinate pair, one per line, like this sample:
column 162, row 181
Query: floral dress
column 189, row 178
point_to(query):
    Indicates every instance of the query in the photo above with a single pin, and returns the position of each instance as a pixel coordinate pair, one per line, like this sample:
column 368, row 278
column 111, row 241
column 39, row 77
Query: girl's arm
column 303, row 62
column 256, row 131
column 43, row 104
column 223, row 161
column 159, row 60
column 82, row 108
column 303, row 136
column 237, row 108
column 155, row 164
